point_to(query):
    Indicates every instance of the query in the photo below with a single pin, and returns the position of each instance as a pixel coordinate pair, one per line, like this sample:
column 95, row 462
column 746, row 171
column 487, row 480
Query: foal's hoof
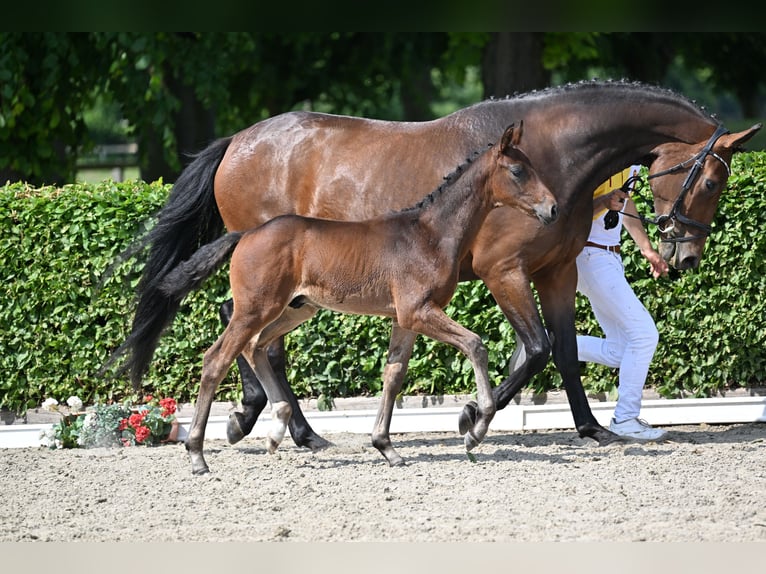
column 200, row 471
column 468, row 417
column 234, row 432
column 470, row 441
column 271, row 445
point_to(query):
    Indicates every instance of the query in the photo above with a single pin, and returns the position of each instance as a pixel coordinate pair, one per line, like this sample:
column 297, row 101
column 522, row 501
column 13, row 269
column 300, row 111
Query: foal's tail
column 189, row 220
column 190, row 274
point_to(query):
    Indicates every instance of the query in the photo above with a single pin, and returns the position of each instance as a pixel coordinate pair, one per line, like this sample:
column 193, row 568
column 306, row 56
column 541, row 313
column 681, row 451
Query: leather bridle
column 667, row 222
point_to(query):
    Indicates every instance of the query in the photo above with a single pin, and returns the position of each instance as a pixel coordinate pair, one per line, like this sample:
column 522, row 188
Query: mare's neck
column 589, row 144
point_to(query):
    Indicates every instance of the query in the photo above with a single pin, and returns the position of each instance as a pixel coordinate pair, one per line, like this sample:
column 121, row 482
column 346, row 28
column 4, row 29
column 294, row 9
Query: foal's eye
column 516, row 169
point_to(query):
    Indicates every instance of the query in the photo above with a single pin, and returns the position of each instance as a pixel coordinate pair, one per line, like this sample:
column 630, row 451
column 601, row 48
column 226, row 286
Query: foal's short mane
column 588, row 89
column 449, row 180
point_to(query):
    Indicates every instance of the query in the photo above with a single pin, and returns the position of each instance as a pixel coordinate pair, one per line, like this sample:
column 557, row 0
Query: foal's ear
column 512, row 136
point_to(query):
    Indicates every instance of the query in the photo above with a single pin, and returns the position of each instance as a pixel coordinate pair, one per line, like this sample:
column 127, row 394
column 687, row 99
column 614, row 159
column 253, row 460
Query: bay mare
column 355, row 168
column 404, row 266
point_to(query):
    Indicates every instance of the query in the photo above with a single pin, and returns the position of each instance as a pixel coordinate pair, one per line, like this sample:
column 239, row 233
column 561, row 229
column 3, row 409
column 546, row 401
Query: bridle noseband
column 666, row 223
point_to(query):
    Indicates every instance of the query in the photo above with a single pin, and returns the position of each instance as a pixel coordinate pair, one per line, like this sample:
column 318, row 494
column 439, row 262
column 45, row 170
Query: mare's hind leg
column 433, row 322
column 254, row 397
column 399, row 353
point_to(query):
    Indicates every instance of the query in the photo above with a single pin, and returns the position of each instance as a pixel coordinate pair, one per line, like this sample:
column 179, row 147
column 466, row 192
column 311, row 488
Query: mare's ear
column 511, row 137
column 735, row 141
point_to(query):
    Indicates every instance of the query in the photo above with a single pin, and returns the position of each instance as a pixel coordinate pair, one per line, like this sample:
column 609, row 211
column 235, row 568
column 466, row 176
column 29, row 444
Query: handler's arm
column 638, row 233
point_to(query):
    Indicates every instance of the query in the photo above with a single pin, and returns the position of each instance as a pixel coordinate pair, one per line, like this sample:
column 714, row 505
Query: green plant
column 113, row 425
column 62, row 315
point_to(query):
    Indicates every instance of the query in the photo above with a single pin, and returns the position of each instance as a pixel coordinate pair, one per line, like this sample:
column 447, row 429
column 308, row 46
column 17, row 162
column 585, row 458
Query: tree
column 513, row 62
column 46, row 82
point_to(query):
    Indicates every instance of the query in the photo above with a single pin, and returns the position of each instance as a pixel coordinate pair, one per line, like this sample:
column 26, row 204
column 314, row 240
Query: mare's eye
column 516, row 169
column 709, row 185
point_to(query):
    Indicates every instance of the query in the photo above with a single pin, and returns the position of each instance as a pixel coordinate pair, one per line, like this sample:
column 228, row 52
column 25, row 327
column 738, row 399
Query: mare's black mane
column 586, row 88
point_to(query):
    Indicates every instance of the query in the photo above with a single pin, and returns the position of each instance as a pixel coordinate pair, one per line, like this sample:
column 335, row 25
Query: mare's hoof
column 468, row 417
column 314, row 442
column 601, row 435
column 234, row 432
column 200, row 471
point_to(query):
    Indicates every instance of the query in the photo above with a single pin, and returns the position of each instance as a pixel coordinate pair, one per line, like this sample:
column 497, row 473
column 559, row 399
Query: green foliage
column 711, row 320
column 101, row 427
column 45, row 83
column 59, row 326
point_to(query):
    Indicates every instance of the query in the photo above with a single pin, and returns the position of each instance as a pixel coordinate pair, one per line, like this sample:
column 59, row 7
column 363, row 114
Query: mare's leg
column 514, row 295
column 394, row 373
column 557, row 298
column 433, row 322
column 254, row 397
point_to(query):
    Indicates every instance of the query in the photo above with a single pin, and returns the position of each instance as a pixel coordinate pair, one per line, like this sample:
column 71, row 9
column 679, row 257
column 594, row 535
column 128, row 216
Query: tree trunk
column 513, row 62
column 194, row 128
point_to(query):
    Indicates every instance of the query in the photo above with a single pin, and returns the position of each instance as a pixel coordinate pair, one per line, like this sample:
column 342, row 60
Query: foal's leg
column 514, row 295
column 283, row 400
column 433, row 322
column 216, row 363
column 254, row 397
column 394, row 373
column 280, row 407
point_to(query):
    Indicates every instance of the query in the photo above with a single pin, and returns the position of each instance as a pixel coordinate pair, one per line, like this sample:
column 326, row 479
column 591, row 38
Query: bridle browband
column 666, row 223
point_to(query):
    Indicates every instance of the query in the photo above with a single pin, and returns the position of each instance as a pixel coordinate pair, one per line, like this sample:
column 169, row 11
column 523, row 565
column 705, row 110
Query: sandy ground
column 706, row 483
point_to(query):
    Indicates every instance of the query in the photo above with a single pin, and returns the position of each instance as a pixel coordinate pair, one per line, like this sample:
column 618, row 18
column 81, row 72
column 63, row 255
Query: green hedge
column 59, row 325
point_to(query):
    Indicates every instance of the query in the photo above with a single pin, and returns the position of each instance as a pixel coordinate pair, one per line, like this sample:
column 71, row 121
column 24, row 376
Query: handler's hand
column 658, row 265
column 615, row 199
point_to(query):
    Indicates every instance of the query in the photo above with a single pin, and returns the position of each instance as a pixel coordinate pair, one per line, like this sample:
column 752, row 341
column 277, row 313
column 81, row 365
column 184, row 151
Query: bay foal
column 404, row 265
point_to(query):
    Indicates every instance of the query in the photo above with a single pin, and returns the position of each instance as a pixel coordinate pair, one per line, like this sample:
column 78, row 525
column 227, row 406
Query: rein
column 666, row 223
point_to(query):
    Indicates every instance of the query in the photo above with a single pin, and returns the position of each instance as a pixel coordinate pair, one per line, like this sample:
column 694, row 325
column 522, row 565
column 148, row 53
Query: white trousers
column 631, row 335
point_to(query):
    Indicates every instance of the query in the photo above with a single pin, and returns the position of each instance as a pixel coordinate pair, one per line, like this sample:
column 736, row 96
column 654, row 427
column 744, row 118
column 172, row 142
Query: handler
column 631, row 335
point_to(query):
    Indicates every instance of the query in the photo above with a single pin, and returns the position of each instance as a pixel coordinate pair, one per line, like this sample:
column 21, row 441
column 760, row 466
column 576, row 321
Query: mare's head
column 513, row 180
column 687, row 181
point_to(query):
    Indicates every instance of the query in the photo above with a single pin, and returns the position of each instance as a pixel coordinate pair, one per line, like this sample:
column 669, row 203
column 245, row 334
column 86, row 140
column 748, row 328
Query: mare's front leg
column 433, row 322
column 557, row 290
column 254, row 397
column 394, row 373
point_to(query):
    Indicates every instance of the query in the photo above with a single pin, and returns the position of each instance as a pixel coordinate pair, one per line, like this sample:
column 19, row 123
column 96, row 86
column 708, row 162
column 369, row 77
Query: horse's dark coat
column 354, row 168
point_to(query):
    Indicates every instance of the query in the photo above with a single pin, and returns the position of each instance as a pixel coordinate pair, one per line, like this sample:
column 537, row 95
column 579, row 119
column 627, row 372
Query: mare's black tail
column 189, row 220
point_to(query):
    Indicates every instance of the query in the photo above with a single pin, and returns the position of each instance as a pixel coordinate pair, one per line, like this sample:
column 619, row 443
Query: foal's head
column 514, row 182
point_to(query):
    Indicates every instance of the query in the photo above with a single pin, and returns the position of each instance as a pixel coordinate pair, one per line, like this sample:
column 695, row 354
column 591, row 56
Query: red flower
column 136, row 419
column 148, row 399
column 123, row 424
column 168, row 407
column 142, row 433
